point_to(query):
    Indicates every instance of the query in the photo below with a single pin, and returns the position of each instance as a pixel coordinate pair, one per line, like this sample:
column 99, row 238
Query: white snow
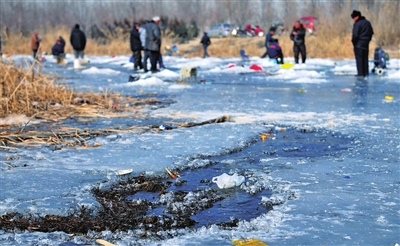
column 350, row 197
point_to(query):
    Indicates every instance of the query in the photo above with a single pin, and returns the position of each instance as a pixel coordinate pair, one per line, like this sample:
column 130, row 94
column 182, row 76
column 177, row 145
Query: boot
column 77, row 64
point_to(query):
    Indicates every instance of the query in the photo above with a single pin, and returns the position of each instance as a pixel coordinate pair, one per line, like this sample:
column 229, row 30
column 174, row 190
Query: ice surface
column 348, row 197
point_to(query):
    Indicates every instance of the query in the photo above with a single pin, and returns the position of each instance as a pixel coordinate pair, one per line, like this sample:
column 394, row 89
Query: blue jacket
column 58, row 47
column 268, row 40
column 274, row 50
column 362, row 33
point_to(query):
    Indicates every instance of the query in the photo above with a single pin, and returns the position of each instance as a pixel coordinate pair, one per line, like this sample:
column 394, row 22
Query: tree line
column 185, row 19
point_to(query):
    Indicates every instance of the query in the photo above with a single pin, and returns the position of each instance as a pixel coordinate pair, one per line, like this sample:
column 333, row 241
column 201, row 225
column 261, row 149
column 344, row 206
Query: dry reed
column 29, row 92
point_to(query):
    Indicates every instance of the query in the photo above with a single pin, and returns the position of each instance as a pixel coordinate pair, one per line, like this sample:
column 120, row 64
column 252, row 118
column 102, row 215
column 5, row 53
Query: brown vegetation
column 35, row 95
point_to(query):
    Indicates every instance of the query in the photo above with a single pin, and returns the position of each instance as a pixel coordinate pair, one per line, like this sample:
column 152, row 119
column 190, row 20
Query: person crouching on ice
column 58, row 50
column 275, row 51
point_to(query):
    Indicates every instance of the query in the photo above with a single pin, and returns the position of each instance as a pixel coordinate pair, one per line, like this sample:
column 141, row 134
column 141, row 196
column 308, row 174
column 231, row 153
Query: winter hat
column 76, row 26
column 272, row 29
column 156, row 18
column 355, row 13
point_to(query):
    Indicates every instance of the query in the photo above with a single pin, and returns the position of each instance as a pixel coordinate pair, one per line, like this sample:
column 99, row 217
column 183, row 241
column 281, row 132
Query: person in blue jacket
column 268, row 40
column 275, row 51
column 58, row 49
column 362, row 35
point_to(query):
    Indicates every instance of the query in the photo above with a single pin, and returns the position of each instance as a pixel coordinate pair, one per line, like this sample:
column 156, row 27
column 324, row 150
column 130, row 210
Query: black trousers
column 279, row 58
column 205, row 53
column 299, row 48
column 154, row 56
column 361, row 61
column 137, row 56
column 34, row 53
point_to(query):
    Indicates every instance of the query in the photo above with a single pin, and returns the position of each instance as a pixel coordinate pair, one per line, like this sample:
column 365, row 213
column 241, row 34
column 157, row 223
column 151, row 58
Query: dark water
column 282, row 142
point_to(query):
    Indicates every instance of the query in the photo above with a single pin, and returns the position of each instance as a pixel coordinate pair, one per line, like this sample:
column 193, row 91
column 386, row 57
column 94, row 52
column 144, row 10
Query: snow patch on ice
column 95, row 70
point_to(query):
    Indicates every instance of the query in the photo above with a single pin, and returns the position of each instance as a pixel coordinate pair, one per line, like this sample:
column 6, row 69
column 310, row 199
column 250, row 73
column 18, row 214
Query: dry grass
column 36, row 95
column 331, row 41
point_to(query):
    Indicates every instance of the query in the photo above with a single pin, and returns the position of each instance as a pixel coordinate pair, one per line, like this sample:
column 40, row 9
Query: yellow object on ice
column 287, row 65
column 389, row 98
column 248, row 242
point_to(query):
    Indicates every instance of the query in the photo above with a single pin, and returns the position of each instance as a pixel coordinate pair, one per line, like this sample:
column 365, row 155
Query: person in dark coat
column 299, row 46
column 78, row 42
column 153, row 42
column 268, row 40
column 136, row 47
column 205, row 41
column 362, row 35
column 275, row 51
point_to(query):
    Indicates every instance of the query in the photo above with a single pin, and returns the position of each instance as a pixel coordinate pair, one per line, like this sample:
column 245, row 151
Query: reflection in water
column 360, row 94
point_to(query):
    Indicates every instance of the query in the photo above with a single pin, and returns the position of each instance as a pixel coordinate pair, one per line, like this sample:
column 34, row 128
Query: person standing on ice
column 362, row 35
column 136, row 47
column 35, row 44
column 299, row 46
column 143, row 38
column 153, row 42
column 78, row 42
column 268, row 40
column 205, row 41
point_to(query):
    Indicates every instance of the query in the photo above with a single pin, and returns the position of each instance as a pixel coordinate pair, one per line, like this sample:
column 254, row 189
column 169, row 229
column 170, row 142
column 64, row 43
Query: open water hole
column 285, row 143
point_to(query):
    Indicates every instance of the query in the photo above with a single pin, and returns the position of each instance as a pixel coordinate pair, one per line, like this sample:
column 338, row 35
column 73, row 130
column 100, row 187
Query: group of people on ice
column 77, row 40
column 146, row 37
column 361, row 37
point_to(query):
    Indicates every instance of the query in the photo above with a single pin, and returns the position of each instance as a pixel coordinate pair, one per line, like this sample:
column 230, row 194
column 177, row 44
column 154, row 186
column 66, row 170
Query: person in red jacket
column 35, row 43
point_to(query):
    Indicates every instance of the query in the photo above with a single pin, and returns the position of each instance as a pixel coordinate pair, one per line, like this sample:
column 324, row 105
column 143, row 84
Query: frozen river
column 328, row 174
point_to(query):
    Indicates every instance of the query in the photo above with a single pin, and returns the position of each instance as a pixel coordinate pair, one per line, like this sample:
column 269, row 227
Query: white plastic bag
column 225, row 181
